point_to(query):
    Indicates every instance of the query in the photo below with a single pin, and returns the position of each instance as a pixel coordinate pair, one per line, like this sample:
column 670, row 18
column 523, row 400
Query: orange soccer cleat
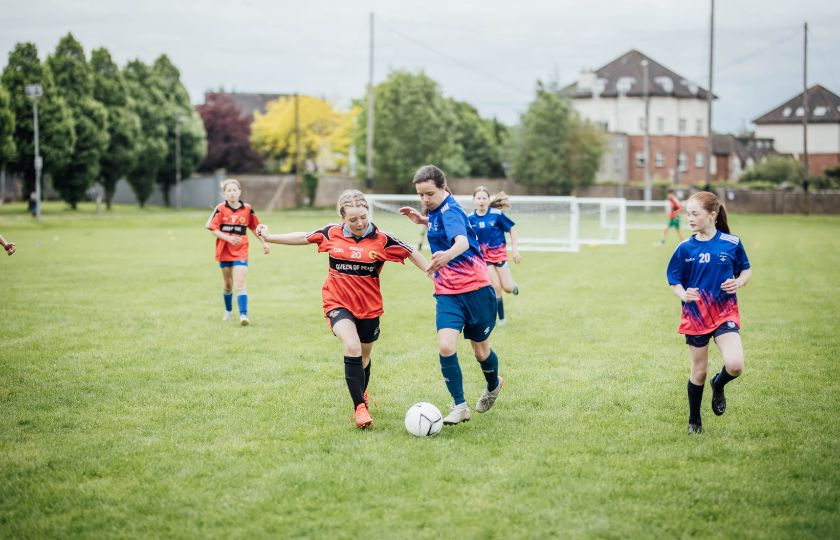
column 362, row 416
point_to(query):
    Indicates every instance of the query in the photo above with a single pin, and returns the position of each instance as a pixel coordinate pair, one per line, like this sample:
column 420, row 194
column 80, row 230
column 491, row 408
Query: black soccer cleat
column 695, row 429
column 718, row 398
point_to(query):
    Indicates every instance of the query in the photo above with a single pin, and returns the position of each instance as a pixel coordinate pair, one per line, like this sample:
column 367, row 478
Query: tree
column 775, row 169
column 74, row 80
column 7, row 130
column 555, row 151
column 414, row 126
column 228, row 136
column 179, row 117
column 273, row 133
column 149, row 104
column 479, row 141
column 57, row 133
column 110, row 89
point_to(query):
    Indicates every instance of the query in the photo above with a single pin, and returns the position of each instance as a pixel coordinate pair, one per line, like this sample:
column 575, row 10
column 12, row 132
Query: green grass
column 129, row 409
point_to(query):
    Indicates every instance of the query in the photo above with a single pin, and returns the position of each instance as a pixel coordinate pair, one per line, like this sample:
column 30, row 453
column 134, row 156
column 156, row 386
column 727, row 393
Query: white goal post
column 543, row 223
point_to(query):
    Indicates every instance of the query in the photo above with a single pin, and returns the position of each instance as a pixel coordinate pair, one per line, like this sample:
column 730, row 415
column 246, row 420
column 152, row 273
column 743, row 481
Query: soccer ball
column 423, row 420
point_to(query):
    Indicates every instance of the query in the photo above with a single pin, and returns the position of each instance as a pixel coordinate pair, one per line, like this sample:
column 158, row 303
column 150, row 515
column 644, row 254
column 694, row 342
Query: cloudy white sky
column 487, row 52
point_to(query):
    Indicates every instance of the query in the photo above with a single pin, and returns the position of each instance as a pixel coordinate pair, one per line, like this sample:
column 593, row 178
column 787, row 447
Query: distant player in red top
column 673, row 216
column 352, row 300
column 229, row 223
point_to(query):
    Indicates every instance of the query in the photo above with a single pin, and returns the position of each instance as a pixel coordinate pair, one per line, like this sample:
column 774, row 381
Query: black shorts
column 368, row 329
column 498, row 264
column 703, row 339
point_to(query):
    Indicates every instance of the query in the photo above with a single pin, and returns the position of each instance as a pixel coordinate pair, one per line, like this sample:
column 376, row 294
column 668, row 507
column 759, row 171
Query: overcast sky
column 487, row 52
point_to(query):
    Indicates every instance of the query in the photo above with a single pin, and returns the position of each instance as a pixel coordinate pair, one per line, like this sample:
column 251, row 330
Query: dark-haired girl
column 465, row 299
column 704, row 272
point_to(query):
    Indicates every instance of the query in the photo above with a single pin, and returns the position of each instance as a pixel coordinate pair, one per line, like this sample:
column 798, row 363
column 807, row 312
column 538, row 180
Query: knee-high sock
column 452, row 376
column 490, row 368
column 723, row 377
column 228, row 296
column 355, row 377
column 695, row 397
column 500, row 303
column 367, row 374
column 242, row 301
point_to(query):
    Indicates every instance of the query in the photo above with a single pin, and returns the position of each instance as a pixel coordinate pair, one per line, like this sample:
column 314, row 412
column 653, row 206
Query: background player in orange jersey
column 229, row 223
column 673, row 216
column 352, row 299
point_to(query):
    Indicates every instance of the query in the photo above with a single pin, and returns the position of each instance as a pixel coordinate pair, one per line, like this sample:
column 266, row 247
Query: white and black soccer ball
column 423, row 420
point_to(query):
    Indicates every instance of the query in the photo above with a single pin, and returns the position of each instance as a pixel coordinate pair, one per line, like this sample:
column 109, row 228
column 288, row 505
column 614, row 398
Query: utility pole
column 298, row 176
column 805, row 110
column 33, row 92
column 709, row 99
column 178, row 121
column 648, row 187
column 370, row 115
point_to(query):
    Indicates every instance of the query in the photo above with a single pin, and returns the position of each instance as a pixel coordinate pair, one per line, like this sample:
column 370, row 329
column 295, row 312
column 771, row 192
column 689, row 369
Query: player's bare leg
column 354, row 374
column 732, row 352
column 699, row 366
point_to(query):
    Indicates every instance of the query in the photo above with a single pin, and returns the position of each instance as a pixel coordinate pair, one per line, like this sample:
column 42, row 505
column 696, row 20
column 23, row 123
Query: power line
column 754, row 53
column 458, row 61
column 825, row 63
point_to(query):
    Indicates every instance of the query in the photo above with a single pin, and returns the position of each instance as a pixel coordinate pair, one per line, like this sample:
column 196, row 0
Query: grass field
column 129, row 409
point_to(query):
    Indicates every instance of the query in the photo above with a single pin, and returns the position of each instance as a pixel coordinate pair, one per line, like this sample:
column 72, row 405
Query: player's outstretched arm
column 265, row 246
column 459, row 245
column 414, row 215
column 289, row 239
column 419, row 260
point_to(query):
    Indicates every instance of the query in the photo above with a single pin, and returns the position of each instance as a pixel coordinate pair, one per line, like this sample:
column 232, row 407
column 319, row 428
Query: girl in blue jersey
column 490, row 223
column 464, row 296
column 704, row 272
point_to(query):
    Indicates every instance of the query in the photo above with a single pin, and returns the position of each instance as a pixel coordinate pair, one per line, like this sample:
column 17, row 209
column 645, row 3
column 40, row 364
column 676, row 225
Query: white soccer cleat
column 488, row 398
column 457, row 414
column 243, row 320
column 228, row 316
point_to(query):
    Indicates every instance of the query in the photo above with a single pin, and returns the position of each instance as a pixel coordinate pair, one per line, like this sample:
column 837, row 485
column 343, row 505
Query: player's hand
column 517, row 258
column 266, row 249
column 261, row 229
column 10, row 248
column 730, row 285
column 413, row 215
column 235, row 240
column 692, row 294
column 438, row 261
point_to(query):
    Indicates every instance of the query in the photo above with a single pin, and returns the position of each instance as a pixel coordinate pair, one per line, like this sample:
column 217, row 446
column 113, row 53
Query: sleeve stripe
column 212, row 215
column 394, row 240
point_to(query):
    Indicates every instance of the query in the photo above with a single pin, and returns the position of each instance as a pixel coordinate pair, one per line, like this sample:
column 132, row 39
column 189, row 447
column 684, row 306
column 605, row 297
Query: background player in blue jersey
column 490, row 223
column 464, row 297
column 704, row 272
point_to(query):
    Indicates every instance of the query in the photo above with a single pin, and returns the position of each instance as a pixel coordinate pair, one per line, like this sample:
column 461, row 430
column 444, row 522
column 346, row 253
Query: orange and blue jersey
column 467, row 272
column 235, row 221
column 355, row 264
column 705, row 265
column 491, row 229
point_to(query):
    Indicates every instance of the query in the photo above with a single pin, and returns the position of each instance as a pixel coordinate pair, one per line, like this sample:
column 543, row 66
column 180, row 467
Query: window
column 819, row 111
column 699, row 127
column 660, row 124
column 698, row 160
column 683, row 124
column 681, row 162
column 640, row 159
column 660, row 160
column 642, row 123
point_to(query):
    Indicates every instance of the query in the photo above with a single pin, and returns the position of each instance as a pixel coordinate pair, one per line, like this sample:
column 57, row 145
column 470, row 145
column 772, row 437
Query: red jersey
column 675, row 208
column 236, row 222
column 355, row 264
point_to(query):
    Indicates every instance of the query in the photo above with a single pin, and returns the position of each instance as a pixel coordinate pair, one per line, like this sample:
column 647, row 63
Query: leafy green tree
column 479, row 141
column 57, row 133
column 110, row 89
column 74, row 80
column 414, row 126
column 775, row 169
column 149, row 103
column 555, row 151
column 7, row 130
column 178, row 110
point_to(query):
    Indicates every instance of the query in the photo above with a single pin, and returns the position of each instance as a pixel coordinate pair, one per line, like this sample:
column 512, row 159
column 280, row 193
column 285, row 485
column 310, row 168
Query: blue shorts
column 703, row 339
column 473, row 312
column 228, row 264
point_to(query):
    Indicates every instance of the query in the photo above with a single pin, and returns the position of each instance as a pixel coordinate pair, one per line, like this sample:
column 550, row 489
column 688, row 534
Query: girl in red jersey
column 352, row 299
column 490, row 223
column 229, row 223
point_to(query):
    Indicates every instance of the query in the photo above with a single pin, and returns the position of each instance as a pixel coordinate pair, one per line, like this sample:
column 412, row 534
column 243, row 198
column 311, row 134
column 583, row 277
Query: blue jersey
column 491, row 229
column 705, row 266
column 466, row 272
